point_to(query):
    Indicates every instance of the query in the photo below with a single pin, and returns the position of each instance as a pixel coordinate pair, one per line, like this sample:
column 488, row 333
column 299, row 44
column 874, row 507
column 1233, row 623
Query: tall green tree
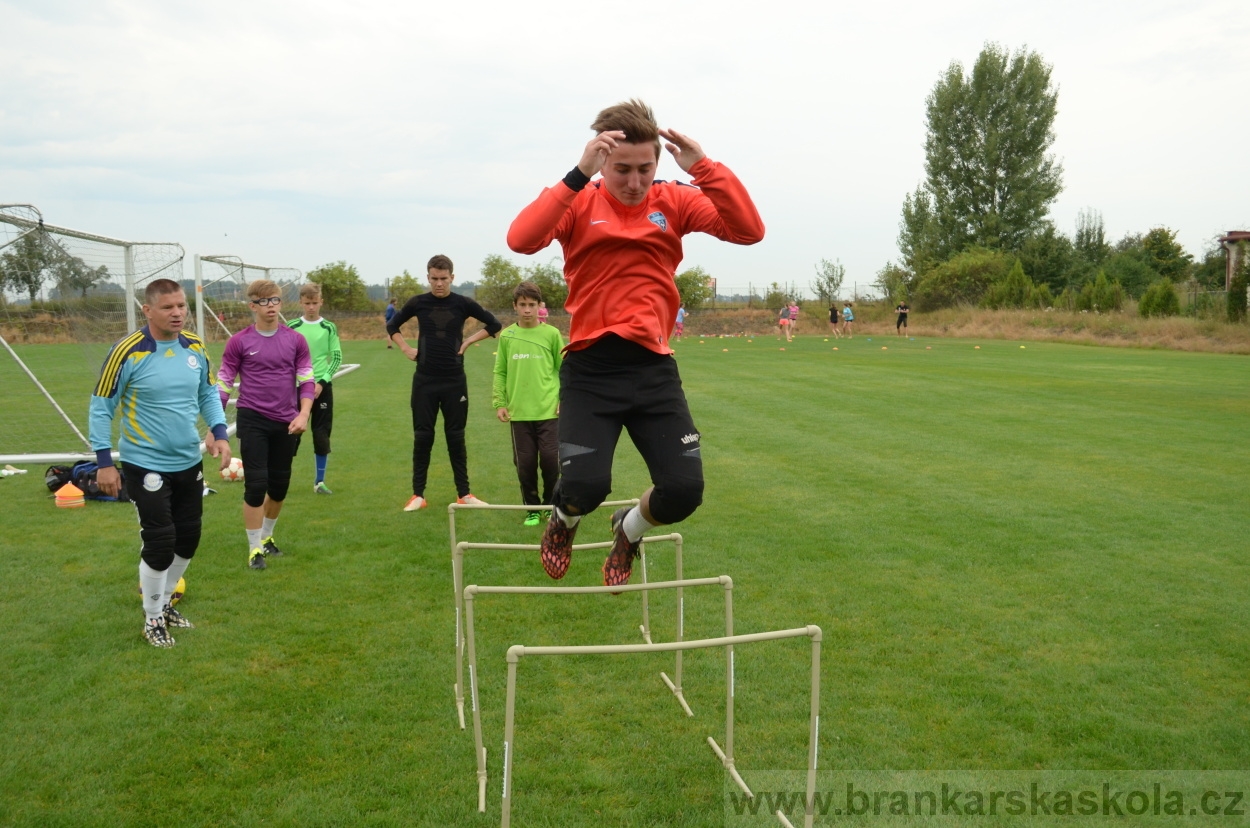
column 500, row 276
column 895, row 282
column 919, row 242
column 1048, row 257
column 694, row 285
column 1165, row 254
column 24, row 264
column 829, row 278
column 71, row 273
column 989, row 175
column 1090, row 242
column 341, row 286
column 550, row 280
column 404, row 287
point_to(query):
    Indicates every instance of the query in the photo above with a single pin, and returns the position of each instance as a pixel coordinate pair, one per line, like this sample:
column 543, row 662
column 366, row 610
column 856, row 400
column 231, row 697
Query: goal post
column 65, row 296
column 221, row 290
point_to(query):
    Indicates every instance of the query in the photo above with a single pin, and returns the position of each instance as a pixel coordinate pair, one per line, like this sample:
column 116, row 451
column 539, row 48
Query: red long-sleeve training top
column 619, row 261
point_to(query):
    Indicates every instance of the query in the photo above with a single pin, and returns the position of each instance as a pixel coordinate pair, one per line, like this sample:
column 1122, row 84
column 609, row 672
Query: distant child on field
column 848, row 319
column 794, row 319
column 526, row 394
column 833, row 321
column 327, row 356
column 542, row 313
column 390, row 312
column 681, row 322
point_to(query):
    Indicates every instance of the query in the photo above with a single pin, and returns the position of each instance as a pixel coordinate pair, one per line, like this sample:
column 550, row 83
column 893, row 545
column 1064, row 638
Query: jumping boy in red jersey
column 621, row 237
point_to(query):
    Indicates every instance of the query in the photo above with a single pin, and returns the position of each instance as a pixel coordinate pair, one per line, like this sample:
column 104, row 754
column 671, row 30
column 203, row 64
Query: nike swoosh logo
column 600, row 221
column 253, row 353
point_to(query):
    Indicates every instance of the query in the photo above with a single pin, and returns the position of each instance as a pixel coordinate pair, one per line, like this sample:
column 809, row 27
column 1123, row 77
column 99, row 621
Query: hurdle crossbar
column 517, row 651
column 471, row 591
column 457, row 575
column 457, row 565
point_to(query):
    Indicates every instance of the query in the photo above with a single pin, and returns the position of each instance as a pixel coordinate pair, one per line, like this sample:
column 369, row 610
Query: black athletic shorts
column 617, row 384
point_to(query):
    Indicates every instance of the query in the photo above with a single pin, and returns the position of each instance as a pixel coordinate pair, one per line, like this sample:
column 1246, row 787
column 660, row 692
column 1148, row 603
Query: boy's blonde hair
column 312, row 290
column 261, row 288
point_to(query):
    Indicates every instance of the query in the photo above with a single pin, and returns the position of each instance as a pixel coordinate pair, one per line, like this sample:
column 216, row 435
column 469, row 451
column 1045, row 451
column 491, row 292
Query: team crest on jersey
column 657, row 218
column 192, row 362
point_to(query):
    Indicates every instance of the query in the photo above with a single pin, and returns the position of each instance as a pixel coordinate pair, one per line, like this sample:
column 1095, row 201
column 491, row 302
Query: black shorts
column 169, row 505
column 617, row 384
column 321, row 423
column 902, row 321
column 266, row 448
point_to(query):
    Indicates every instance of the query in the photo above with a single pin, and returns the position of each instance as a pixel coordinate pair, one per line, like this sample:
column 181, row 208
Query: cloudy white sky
column 294, row 134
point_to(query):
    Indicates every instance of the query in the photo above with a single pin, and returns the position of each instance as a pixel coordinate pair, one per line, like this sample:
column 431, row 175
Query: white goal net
column 65, row 296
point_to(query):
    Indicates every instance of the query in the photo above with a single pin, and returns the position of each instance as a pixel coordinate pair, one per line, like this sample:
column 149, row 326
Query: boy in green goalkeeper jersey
column 526, row 394
column 327, row 356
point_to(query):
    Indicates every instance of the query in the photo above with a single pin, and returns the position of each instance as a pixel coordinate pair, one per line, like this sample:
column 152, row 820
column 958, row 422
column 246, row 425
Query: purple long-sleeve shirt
column 275, row 372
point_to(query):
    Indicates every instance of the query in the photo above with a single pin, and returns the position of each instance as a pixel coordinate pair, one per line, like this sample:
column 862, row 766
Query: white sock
column 172, row 575
column 266, row 527
column 635, row 525
column 153, row 584
column 569, row 520
column 253, row 539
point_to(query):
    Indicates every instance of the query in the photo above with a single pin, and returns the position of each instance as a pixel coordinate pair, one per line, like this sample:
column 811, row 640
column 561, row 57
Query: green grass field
column 1021, row 559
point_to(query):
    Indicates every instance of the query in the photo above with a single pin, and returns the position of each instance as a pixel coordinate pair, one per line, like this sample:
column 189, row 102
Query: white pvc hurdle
column 473, row 590
column 458, row 579
column 726, row 755
column 465, row 546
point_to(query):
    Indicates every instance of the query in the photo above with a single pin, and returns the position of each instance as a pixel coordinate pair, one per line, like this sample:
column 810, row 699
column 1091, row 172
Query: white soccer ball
column 234, row 471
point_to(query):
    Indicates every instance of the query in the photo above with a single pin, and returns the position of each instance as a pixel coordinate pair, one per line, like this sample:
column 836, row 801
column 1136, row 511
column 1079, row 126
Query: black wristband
column 576, row 180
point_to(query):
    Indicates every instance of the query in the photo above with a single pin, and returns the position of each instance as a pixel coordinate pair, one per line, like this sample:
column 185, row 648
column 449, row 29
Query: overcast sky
column 294, row 134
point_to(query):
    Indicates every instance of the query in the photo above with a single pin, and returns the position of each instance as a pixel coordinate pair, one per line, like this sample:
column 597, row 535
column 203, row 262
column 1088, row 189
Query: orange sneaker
column 414, row 503
column 556, row 548
column 619, row 564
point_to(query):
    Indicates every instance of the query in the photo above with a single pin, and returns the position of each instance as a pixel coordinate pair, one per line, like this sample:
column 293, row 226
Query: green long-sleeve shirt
column 527, row 372
column 323, row 345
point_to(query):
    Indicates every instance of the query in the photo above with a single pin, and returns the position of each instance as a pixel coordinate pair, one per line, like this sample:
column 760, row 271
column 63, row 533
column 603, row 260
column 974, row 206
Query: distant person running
column 833, row 321
column 621, row 237
column 327, row 356
column 902, row 310
column 681, row 322
column 161, row 379
column 439, row 383
column 783, row 322
column 848, row 319
column 275, row 399
column 794, row 319
column 526, row 394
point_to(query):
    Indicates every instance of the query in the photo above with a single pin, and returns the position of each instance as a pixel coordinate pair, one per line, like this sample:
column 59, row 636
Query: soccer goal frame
column 135, row 264
column 726, row 754
column 473, row 590
column 236, row 270
column 457, row 574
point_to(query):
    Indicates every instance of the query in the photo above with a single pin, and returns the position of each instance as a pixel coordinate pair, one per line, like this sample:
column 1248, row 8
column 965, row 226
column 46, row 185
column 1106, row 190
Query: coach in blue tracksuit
column 160, row 378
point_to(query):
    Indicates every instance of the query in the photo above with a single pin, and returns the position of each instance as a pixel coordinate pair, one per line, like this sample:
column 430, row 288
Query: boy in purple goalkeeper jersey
column 276, row 392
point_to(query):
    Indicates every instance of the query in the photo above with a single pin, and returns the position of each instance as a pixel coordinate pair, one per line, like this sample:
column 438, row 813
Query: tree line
column 978, row 231
column 37, row 259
